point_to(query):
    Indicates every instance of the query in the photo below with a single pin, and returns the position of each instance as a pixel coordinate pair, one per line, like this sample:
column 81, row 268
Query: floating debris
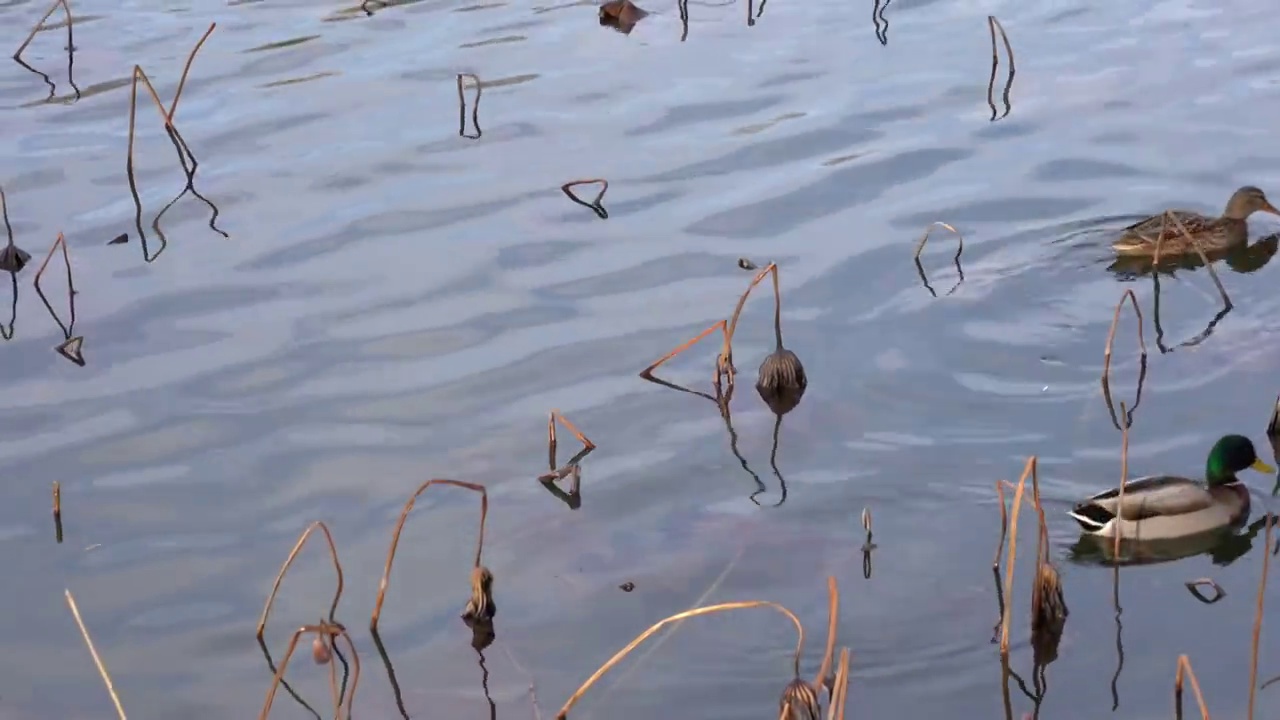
column 621, row 15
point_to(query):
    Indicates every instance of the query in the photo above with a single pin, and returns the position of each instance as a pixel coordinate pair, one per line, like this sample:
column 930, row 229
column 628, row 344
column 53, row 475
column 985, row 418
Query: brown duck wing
column 1160, row 495
column 1193, row 222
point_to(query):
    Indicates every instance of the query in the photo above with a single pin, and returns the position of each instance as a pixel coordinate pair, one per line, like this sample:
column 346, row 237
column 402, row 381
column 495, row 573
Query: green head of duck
column 1230, row 455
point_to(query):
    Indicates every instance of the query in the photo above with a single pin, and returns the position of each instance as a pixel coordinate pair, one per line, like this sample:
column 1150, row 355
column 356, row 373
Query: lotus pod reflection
column 782, row 381
column 801, row 700
column 1048, row 615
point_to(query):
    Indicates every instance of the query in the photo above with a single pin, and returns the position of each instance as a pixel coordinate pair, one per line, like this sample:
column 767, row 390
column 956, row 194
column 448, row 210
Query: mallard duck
column 1211, row 233
column 1161, row 507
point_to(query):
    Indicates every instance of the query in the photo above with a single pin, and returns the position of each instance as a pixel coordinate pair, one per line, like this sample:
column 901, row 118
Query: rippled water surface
column 395, row 302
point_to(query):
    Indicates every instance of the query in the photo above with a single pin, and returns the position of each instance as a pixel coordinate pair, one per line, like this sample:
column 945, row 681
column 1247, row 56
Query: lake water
column 395, row 303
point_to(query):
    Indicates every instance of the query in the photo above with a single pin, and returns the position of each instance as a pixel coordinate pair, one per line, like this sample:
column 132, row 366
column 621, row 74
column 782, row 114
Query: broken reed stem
column 1257, row 616
column 595, row 205
column 557, row 416
column 833, row 618
column 995, row 25
column 1004, row 525
column 1184, row 667
column 57, row 511
column 1029, row 469
column 404, row 515
column 102, row 668
column 186, row 69
column 17, row 55
column 1041, row 542
column 288, row 562
column 695, row 612
column 840, row 691
column 647, row 373
column 328, row 632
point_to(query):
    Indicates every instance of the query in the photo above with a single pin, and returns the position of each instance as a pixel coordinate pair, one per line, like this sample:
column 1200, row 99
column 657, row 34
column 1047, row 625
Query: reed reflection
column 475, row 107
column 880, row 21
column 924, row 239
column 993, row 24
column 71, row 49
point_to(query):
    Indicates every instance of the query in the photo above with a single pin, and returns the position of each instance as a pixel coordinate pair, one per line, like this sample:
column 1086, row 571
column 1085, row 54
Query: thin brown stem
column 595, row 205
column 1257, row 616
column 1222, row 292
column 833, row 619
column 404, row 515
column 1124, row 480
column 68, row 327
column 1004, row 525
column 186, row 69
column 695, row 612
column 288, row 562
column 647, row 373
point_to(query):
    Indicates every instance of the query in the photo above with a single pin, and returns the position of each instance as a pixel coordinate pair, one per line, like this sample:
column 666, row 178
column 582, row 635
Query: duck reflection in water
column 1243, row 258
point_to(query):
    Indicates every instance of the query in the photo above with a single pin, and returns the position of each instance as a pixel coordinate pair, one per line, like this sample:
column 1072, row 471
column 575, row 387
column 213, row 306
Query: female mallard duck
column 1211, row 233
column 1161, row 507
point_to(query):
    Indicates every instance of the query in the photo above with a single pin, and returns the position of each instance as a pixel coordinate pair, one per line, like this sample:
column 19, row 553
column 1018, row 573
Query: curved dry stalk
column 329, row 632
column 695, row 612
column 1257, row 616
column 587, row 445
column 66, row 8
column 1111, row 334
column 1184, row 668
column 647, row 373
column 833, row 618
column 920, row 248
column 97, row 660
column 1193, row 586
column 475, row 107
column 595, row 205
column 1028, row 470
column 288, row 562
column 993, row 24
column 186, row 69
column 404, row 515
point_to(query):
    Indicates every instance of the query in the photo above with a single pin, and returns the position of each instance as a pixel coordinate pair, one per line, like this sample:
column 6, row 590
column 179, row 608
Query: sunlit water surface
column 396, row 303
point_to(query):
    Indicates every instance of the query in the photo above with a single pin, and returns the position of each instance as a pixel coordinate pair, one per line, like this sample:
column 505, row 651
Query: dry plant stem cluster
column 1046, row 595
column 327, row 633
column 180, row 145
column 1125, row 415
column 70, row 347
column 799, row 699
column 71, row 48
column 959, row 249
column 570, row 469
column 1185, row 670
column 595, row 205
